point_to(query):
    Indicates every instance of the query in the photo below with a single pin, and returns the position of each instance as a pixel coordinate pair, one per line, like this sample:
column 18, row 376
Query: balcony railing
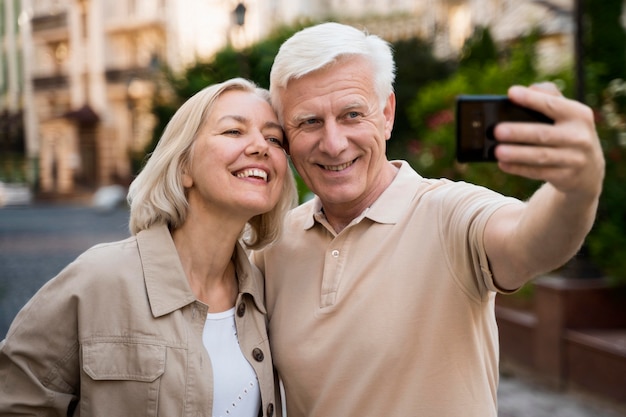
column 49, row 21
column 50, row 82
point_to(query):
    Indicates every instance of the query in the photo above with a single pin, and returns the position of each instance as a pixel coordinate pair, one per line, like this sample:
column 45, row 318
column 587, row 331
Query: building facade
column 80, row 74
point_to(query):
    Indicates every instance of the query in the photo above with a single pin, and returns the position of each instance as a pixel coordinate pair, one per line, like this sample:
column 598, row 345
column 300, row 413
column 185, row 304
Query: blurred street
column 37, row 241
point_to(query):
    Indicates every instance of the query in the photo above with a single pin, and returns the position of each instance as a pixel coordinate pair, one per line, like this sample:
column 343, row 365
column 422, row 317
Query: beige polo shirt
column 394, row 316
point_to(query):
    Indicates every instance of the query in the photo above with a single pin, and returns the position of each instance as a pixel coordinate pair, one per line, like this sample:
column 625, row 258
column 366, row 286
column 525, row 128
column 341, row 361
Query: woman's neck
column 206, row 251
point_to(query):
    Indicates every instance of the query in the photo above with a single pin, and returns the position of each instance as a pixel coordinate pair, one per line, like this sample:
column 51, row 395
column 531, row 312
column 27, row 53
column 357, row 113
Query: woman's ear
column 186, row 177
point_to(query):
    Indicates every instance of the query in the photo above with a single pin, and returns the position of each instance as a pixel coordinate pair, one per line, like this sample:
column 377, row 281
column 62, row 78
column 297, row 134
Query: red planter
column 570, row 334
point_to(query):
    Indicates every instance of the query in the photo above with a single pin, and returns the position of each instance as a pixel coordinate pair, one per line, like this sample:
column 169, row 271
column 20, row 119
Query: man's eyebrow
column 303, row 117
column 354, row 105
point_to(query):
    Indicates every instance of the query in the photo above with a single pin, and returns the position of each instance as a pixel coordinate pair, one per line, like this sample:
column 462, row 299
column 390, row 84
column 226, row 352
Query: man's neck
column 339, row 216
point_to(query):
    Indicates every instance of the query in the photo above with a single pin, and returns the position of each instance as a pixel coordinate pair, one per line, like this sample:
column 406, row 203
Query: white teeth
column 338, row 167
column 259, row 173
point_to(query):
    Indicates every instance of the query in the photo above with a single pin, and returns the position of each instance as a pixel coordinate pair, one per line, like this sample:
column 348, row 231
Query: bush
column 432, row 153
column 608, row 237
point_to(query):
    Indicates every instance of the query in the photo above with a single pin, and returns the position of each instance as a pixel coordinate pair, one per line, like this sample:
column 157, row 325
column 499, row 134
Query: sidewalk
column 518, row 397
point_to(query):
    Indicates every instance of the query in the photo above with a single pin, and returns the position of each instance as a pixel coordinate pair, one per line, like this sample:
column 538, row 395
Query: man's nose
column 333, row 140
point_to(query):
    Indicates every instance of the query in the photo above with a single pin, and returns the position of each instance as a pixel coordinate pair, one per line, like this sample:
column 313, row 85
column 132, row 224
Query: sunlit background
column 86, row 87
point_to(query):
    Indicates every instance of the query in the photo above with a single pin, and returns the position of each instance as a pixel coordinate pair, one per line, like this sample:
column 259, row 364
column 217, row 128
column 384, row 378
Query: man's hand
column 567, row 154
column 522, row 242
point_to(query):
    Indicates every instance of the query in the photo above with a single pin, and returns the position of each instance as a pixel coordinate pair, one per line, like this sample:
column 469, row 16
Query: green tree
column 479, row 50
column 604, row 42
column 432, row 112
column 253, row 62
column 416, row 67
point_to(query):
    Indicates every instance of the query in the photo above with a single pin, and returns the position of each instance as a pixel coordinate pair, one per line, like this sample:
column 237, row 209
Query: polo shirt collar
column 166, row 284
column 390, row 205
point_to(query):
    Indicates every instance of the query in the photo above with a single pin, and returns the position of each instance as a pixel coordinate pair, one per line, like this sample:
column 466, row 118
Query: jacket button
column 241, row 309
column 270, row 410
column 258, row 355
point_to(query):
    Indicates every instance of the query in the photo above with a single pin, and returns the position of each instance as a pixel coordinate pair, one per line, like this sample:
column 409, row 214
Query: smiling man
column 380, row 294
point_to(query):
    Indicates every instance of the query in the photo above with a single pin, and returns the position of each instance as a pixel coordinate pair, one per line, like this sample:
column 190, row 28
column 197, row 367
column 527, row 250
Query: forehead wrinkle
column 356, row 104
column 352, row 105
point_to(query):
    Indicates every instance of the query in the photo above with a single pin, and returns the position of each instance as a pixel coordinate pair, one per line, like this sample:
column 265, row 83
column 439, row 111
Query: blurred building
column 77, row 76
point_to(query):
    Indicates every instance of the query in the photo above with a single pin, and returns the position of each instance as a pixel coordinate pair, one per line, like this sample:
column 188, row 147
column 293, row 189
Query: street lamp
column 240, row 14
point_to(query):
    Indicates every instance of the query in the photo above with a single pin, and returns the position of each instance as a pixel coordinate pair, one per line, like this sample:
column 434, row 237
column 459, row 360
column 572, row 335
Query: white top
column 236, row 390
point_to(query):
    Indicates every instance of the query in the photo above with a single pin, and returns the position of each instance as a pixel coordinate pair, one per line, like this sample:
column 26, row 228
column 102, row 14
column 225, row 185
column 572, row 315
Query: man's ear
column 390, row 113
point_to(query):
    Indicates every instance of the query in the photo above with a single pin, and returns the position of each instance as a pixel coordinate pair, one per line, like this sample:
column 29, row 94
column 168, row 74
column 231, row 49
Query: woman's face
column 238, row 164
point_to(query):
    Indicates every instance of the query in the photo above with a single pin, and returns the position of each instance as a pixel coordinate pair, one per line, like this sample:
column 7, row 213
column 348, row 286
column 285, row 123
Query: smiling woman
column 176, row 317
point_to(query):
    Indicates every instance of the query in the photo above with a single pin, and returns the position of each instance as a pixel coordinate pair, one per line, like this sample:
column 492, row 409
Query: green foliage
column 432, row 112
column 416, row 68
column 432, row 153
column 479, row 49
column 304, row 193
column 605, row 68
column 253, row 63
column 13, row 167
column 608, row 237
column 605, row 41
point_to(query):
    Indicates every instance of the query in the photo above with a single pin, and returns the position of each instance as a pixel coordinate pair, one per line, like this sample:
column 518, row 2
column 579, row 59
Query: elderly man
column 381, row 294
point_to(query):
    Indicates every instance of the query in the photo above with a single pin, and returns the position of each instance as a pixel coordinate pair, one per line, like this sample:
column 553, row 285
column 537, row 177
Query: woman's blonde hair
column 157, row 195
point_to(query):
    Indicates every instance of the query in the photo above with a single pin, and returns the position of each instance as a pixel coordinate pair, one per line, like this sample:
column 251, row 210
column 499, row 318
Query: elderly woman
column 169, row 322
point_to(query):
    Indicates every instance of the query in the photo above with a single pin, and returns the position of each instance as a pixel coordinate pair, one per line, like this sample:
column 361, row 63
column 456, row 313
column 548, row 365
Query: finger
column 539, row 134
column 565, row 168
column 534, row 157
column 550, row 174
column 545, row 100
column 546, row 87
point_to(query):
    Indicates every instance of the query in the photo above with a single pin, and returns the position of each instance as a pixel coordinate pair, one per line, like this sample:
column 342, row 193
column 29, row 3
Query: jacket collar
column 250, row 278
column 166, row 284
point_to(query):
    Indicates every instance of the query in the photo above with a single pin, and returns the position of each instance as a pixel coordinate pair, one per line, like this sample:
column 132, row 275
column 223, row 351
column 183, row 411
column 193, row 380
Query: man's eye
column 310, row 122
column 353, row 115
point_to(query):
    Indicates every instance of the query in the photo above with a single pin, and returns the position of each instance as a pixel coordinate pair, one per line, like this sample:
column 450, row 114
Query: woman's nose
column 258, row 144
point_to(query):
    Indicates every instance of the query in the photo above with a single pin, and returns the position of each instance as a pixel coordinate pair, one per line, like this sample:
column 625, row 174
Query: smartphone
column 476, row 119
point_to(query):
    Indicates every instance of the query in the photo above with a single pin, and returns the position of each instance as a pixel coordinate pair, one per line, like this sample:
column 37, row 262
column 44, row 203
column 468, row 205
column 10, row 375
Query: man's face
column 337, row 133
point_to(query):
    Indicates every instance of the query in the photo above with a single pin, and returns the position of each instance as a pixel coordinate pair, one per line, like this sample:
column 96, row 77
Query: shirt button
column 241, row 309
column 258, row 355
column 270, row 410
column 335, row 253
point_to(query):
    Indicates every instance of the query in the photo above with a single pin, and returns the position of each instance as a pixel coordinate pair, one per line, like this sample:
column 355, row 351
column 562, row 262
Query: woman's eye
column 232, row 132
column 275, row 141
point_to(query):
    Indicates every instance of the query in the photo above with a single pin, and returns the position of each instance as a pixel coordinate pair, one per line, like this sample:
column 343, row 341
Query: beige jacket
column 119, row 333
